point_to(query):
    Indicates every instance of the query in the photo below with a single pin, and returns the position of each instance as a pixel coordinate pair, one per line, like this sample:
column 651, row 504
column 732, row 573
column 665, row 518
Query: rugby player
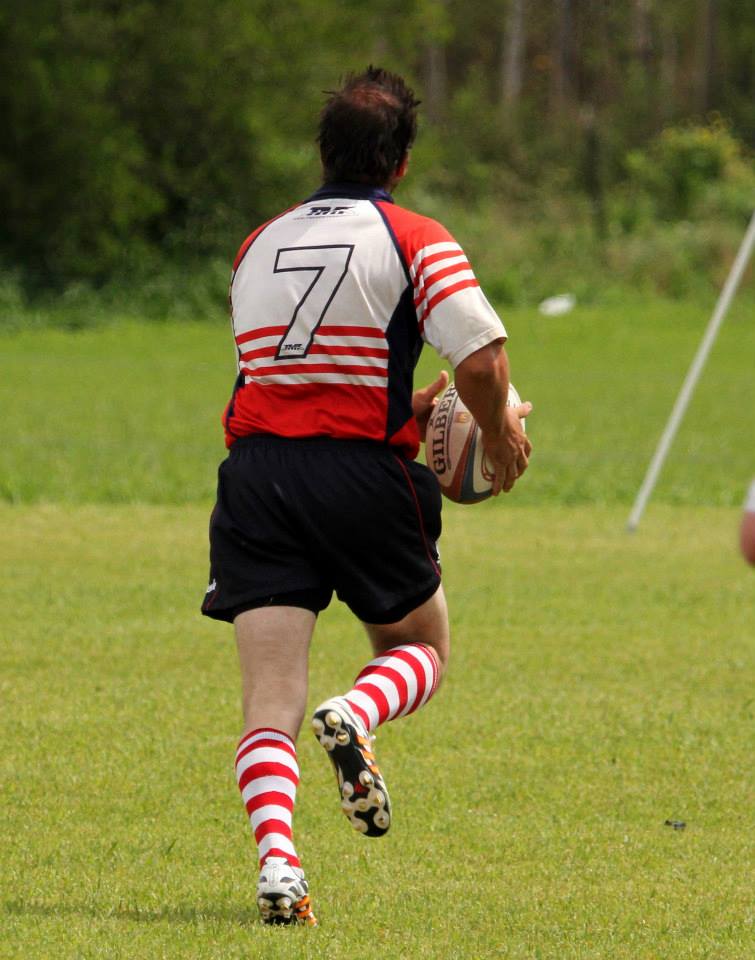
column 332, row 301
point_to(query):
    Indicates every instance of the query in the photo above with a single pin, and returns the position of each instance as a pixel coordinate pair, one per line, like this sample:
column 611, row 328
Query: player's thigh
column 426, row 624
column 257, row 553
column 377, row 534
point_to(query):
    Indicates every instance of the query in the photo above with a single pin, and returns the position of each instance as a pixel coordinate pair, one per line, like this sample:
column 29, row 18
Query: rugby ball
column 453, row 448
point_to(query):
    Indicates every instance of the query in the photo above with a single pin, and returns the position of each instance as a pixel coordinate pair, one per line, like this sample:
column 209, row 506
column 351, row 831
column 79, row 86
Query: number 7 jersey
column 331, row 303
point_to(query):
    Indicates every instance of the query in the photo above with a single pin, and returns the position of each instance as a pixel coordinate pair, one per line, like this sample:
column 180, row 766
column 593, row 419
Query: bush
column 686, row 165
column 159, row 290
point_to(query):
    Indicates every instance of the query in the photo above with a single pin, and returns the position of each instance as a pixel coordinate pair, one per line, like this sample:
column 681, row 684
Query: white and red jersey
column 331, row 303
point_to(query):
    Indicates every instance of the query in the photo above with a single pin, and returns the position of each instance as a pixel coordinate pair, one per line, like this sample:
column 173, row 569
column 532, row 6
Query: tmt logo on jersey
column 320, row 211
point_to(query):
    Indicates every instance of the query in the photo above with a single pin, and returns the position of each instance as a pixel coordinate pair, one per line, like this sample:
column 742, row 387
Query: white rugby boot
column 363, row 794
column 283, row 894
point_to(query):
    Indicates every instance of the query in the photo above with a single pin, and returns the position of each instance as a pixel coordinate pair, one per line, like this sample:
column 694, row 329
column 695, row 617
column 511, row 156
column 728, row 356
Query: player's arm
column 456, row 319
column 482, row 380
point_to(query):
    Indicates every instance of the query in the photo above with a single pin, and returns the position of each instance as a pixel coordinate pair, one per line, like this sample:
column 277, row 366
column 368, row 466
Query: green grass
column 600, row 684
column 130, row 412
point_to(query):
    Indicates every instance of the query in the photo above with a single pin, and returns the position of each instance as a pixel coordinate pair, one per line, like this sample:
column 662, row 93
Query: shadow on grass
column 178, row 914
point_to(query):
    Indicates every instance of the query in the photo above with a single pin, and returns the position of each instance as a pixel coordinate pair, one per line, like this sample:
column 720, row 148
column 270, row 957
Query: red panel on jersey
column 414, row 232
column 310, row 409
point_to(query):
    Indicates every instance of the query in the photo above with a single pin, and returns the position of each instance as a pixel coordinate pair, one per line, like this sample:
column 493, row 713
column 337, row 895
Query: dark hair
column 367, row 127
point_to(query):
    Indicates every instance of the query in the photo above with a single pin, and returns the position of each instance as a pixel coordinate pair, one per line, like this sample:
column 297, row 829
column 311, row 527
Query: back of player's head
column 367, row 127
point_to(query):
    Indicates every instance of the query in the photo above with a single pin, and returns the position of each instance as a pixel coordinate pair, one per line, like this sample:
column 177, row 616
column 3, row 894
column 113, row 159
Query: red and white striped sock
column 395, row 684
column 268, row 775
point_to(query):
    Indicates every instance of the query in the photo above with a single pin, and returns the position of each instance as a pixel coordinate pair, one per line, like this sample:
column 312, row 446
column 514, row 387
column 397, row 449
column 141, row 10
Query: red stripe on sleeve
column 442, row 294
column 435, row 258
column 437, row 276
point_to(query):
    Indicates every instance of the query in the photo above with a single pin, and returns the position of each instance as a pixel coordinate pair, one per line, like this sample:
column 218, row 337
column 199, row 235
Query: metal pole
column 685, row 394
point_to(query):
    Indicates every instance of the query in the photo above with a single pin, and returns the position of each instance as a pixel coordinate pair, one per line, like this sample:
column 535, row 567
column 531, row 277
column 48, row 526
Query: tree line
column 144, row 129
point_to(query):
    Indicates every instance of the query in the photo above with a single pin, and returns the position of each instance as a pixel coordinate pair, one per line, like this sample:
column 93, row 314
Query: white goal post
column 693, row 375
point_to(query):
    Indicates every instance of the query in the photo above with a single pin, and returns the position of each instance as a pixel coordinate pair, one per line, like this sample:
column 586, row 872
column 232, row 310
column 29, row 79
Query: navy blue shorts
column 296, row 519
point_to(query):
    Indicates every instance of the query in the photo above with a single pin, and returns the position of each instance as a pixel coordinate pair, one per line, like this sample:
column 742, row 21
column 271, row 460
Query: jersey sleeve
column 453, row 313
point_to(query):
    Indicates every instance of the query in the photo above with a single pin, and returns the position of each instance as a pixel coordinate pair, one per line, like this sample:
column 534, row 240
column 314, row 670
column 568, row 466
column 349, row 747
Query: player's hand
column 425, row 399
column 509, row 451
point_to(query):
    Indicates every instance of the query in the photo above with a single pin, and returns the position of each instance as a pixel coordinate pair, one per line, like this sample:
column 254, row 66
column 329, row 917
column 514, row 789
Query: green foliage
column 73, row 189
column 145, row 128
column 678, row 169
column 142, row 132
column 167, row 289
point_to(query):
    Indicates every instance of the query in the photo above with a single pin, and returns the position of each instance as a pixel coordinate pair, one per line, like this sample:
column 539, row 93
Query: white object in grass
column 557, row 306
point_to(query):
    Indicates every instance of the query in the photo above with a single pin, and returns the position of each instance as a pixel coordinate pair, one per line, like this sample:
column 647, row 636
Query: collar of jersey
column 350, row 191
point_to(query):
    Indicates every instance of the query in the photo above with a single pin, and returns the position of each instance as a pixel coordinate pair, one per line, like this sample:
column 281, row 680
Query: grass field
column 601, row 683
column 130, row 412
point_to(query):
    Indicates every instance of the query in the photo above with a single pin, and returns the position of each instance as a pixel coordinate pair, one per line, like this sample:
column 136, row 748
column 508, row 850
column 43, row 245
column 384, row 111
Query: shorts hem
column 397, row 611
column 314, row 600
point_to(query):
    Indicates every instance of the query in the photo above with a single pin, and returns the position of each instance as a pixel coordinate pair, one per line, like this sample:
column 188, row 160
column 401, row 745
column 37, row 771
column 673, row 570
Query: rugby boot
column 364, row 797
column 283, row 894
